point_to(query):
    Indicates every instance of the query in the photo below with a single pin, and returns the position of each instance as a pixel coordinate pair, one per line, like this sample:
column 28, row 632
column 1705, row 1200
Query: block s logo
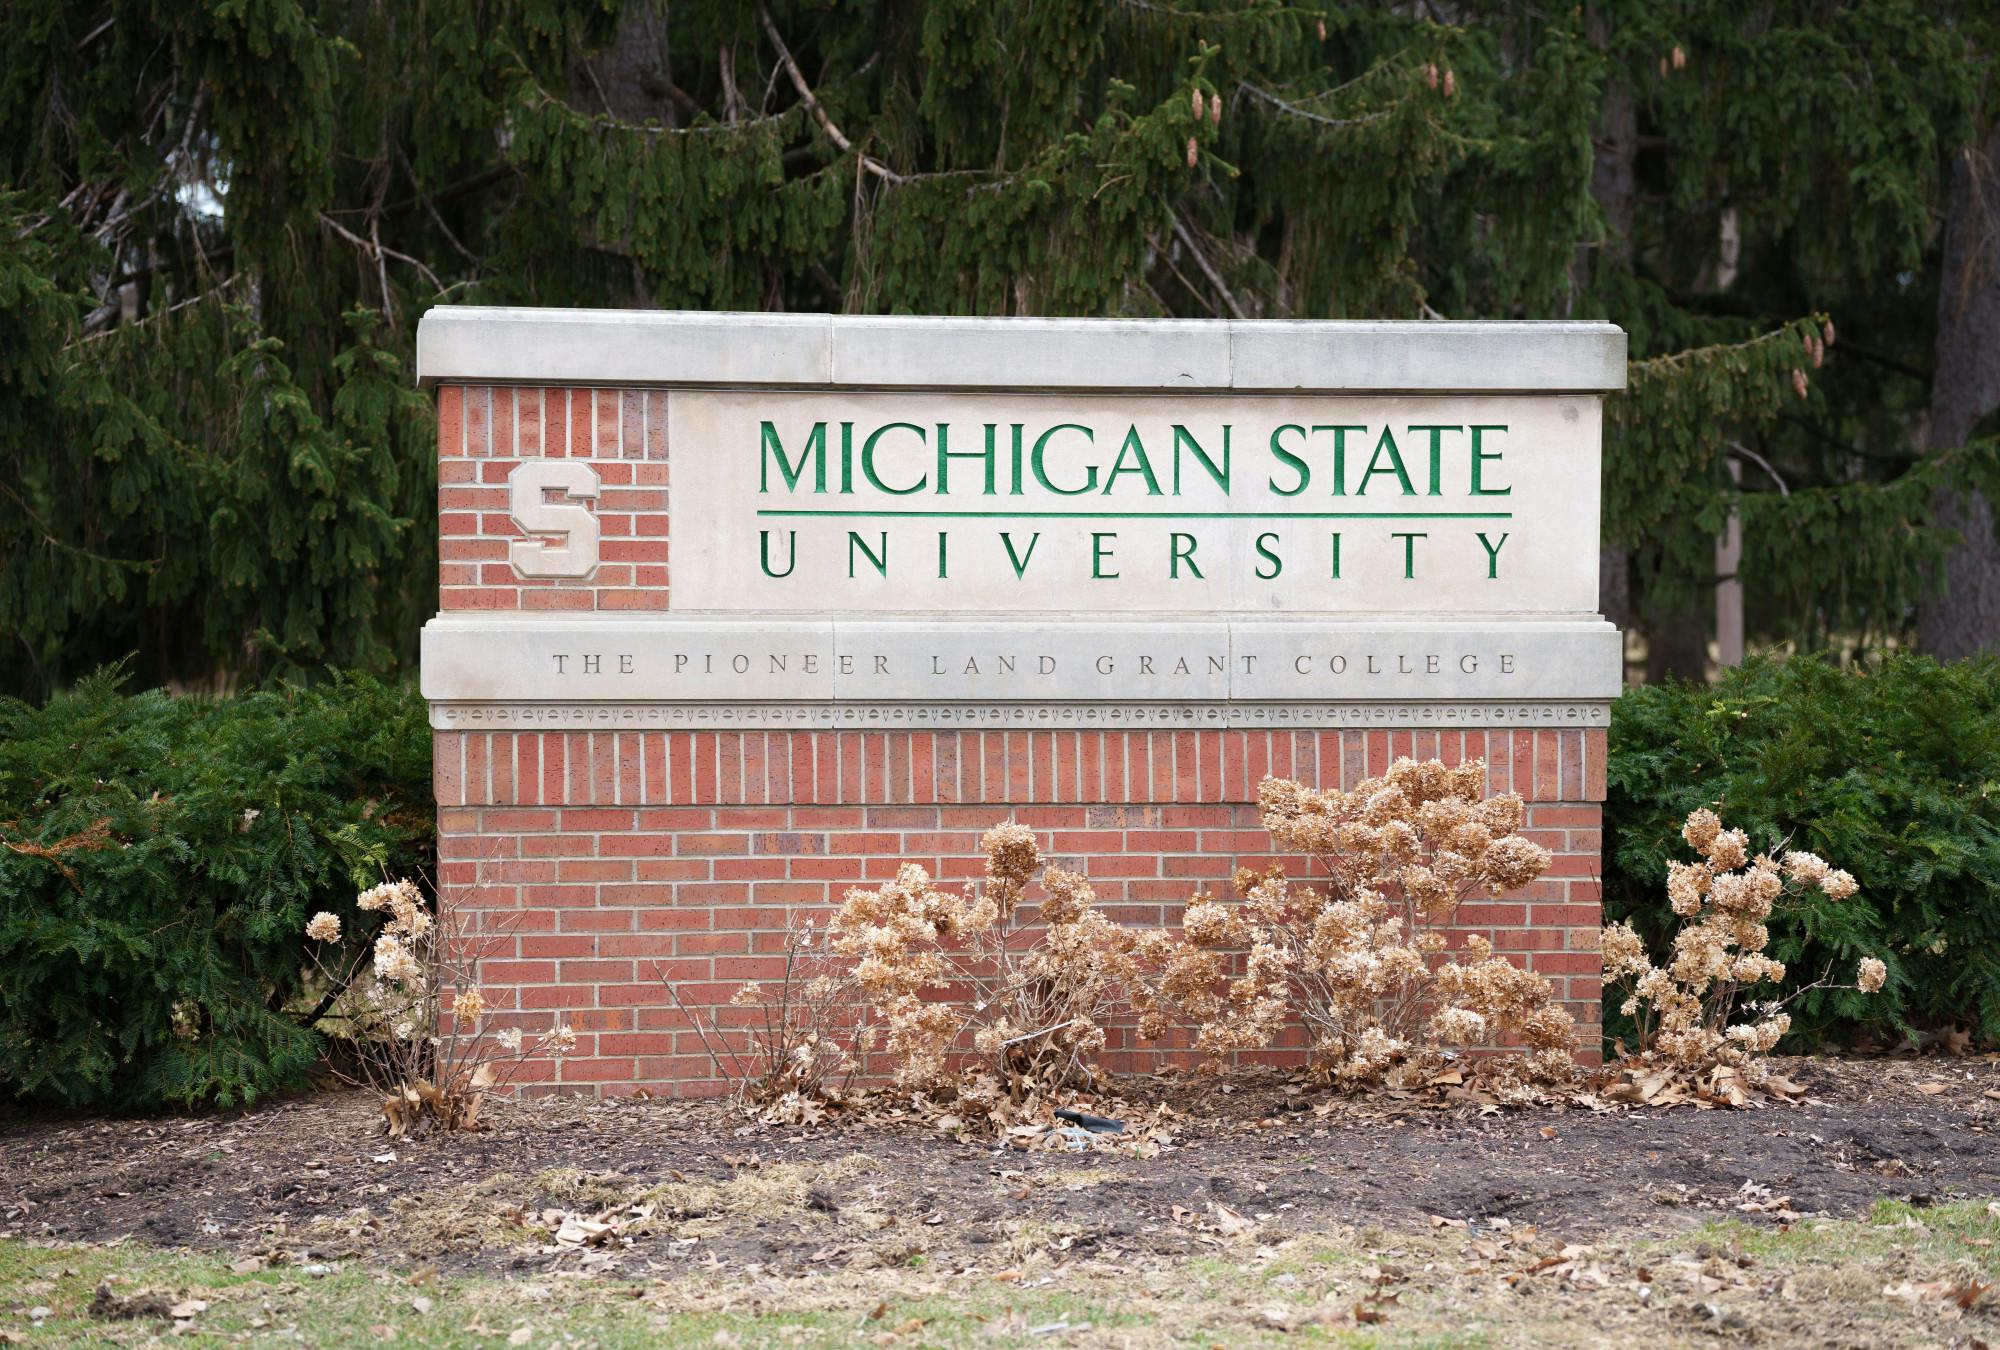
column 528, row 502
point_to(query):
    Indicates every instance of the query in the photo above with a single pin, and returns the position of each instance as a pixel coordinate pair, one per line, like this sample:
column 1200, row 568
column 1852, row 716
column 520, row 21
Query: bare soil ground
column 1256, row 1169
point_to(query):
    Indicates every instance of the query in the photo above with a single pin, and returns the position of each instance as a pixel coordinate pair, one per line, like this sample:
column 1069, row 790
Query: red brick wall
column 484, row 432
column 610, row 854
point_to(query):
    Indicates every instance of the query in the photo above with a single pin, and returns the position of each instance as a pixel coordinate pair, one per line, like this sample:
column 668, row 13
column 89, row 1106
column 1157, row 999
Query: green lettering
column 1336, row 557
column 1221, row 475
column 1387, row 442
column 1437, row 456
column 1099, row 555
column 1041, row 470
column 1409, row 552
column 764, row 547
column 815, row 448
column 868, row 458
column 1144, row 467
column 1264, row 542
column 1492, row 556
column 1020, row 560
column 881, row 560
column 942, row 537
column 1339, row 456
column 946, row 455
column 1180, row 548
column 1291, row 460
column 1479, row 457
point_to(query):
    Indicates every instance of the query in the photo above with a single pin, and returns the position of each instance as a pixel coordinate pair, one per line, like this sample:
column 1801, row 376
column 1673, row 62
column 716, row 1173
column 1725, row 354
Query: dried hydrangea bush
column 432, row 1070
column 805, row 1034
column 1695, row 1013
column 1360, row 956
column 1026, row 986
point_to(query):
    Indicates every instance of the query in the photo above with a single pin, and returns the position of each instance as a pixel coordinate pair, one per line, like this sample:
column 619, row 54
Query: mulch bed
column 313, row 1177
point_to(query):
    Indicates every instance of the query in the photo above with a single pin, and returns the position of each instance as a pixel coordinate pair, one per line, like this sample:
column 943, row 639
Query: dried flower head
column 468, row 1005
column 395, row 962
column 324, row 927
column 1869, row 975
column 1688, row 1007
column 1362, row 958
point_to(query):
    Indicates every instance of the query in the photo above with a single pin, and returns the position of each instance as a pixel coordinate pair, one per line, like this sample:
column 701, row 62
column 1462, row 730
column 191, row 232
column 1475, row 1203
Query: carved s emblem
column 529, row 503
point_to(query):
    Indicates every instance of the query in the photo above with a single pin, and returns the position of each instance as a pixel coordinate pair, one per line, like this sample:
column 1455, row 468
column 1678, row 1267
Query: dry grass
column 1897, row 1277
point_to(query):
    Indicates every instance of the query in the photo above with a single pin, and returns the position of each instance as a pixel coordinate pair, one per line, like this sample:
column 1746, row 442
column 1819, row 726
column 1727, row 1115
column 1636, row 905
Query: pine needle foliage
column 158, row 858
column 221, row 219
column 1892, row 769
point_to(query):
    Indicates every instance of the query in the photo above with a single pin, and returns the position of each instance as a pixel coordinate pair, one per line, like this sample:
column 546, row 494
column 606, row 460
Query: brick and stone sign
column 737, row 611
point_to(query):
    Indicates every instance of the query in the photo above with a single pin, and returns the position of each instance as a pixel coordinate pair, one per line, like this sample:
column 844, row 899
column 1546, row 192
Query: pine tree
column 221, row 219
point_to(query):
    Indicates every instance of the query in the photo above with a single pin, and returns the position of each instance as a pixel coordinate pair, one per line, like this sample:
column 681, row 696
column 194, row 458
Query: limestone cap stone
column 466, row 344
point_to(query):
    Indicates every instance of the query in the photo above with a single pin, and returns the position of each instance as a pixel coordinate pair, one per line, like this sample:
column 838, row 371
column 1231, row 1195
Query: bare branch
column 806, row 96
column 1296, row 111
column 376, row 251
column 1207, row 269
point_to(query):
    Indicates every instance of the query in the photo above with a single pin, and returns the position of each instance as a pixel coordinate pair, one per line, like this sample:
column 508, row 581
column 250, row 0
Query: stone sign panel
column 736, row 610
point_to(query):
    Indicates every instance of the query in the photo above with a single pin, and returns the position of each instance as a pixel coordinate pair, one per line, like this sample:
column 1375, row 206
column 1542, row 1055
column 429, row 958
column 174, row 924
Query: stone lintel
column 788, row 662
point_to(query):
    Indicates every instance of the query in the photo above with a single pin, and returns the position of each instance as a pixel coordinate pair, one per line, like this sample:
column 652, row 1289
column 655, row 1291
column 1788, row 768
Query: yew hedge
column 158, row 858
column 1891, row 770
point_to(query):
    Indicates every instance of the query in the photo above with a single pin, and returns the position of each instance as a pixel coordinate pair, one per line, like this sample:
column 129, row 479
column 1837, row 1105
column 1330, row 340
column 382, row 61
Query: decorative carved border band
column 456, row 716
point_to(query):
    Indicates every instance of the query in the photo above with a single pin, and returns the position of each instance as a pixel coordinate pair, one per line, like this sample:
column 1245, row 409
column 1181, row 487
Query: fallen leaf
column 1933, row 1089
column 520, row 1336
column 187, row 1308
column 1228, row 1222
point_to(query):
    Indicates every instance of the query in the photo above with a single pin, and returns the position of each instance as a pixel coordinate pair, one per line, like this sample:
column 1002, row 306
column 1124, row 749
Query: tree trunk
column 1613, row 148
column 1965, row 386
column 631, row 79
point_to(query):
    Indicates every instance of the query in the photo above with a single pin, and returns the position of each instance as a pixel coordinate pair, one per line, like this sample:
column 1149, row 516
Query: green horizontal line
column 1163, row 515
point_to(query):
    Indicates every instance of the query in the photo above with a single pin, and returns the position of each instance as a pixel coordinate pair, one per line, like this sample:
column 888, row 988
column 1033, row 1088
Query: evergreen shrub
column 1891, row 770
column 158, row 858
